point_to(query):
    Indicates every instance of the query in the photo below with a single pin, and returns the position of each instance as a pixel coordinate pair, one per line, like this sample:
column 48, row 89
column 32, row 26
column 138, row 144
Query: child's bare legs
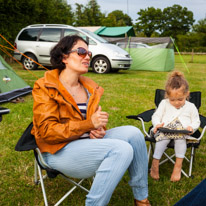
column 154, row 173
column 180, row 150
column 176, row 174
column 159, row 149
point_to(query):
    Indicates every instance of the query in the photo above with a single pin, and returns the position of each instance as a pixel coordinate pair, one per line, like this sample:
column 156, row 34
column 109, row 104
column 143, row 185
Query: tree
column 200, row 27
column 93, row 12
column 117, row 18
column 169, row 22
column 176, row 20
column 149, row 21
column 89, row 15
column 81, row 19
column 16, row 15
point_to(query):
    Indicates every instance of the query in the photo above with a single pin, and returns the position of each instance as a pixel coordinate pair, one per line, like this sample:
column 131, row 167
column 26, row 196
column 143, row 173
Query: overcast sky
column 131, row 7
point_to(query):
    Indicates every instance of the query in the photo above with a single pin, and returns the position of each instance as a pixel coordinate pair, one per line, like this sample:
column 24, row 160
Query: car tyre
column 28, row 63
column 101, row 65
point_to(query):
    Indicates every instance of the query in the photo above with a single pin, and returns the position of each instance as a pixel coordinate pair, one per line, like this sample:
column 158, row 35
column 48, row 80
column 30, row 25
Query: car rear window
column 29, row 35
column 50, row 35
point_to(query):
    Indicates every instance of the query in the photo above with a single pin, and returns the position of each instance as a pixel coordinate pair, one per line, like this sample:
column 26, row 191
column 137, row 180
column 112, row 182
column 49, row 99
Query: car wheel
column 28, row 63
column 101, row 65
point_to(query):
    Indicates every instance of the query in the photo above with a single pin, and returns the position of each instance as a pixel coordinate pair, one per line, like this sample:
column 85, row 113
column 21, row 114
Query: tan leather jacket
column 56, row 117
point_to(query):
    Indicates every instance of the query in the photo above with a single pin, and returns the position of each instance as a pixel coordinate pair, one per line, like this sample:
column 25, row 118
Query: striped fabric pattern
column 83, row 109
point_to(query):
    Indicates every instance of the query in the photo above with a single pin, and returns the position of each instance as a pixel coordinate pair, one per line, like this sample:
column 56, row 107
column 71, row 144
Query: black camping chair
column 3, row 111
column 27, row 142
column 193, row 142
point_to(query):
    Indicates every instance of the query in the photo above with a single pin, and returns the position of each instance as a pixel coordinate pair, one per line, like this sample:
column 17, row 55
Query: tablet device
column 166, row 130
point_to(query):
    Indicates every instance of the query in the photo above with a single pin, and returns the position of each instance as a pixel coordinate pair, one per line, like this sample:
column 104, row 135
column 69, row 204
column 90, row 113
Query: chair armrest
column 145, row 116
column 4, row 110
column 203, row 121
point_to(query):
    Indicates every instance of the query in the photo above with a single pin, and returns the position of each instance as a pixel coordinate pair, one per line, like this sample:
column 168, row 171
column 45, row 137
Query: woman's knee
column 123, row 149
column 133, row 132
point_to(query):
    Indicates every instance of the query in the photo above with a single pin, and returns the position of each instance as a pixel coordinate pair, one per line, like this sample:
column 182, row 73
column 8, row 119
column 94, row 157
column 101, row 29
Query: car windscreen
column 98, row 38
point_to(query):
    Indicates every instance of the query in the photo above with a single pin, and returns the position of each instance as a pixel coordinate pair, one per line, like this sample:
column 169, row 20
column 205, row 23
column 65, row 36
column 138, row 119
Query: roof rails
column 48, row 25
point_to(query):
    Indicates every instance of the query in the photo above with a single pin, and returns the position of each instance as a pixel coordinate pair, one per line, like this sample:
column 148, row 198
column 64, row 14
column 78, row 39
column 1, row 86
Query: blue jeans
column 196, row 197
column 107, row 159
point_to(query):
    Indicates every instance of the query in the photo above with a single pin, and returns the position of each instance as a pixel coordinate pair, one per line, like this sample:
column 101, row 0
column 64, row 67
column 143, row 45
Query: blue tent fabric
column 196, row 197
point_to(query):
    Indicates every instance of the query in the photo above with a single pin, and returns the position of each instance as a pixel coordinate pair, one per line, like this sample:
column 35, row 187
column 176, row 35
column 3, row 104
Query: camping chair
column 3, row 110
column 27, row 142
column 193, row 142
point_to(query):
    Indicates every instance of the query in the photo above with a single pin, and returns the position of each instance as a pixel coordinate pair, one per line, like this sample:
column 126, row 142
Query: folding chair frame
column 39, row 179
column 27, row 142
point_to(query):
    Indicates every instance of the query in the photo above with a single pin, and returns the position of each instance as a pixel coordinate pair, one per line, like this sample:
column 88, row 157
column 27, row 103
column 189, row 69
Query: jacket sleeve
column 47, row 123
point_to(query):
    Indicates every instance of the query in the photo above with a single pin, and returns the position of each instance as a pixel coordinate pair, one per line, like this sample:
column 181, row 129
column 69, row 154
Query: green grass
column 126, row 92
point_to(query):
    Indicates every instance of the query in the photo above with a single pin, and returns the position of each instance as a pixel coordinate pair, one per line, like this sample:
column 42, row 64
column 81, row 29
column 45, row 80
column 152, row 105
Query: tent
column 103, row 31
column 11, row 85
column 121, row 31
column 150, row 54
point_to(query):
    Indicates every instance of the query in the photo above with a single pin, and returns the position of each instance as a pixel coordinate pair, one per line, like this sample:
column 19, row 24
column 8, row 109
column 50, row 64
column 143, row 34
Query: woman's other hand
column 99, row 118
column 157, row 126
column 97, row 134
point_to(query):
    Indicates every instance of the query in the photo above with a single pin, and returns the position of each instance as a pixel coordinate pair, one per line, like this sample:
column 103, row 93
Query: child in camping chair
column 174, row 112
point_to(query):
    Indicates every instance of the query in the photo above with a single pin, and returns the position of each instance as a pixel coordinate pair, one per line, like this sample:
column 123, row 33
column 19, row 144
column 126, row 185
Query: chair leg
column 191, row 160
column 183, row 172
column 42, row 185
column 149, row 152
column 71, row 190
column 35, row 173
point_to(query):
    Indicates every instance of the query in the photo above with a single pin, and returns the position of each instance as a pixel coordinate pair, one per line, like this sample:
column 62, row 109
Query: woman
column 69, row 127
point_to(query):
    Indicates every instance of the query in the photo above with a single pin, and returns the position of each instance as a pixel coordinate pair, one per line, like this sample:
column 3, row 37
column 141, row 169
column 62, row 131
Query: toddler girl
column 174, row 112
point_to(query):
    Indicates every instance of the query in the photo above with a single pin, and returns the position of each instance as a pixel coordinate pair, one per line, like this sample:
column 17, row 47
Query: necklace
column 73, row 93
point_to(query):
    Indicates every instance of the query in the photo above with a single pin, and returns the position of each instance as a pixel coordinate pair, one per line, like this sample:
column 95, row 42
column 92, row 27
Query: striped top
column 83, row 110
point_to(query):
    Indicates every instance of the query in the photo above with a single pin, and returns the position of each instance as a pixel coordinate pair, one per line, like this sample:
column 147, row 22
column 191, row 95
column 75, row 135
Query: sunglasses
column 82, row 52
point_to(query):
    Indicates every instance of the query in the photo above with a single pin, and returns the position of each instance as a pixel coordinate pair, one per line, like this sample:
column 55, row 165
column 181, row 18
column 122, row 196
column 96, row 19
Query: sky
column 131, row 7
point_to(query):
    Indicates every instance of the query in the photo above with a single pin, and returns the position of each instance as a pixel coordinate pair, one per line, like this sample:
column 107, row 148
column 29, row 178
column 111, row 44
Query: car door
column 47, row 40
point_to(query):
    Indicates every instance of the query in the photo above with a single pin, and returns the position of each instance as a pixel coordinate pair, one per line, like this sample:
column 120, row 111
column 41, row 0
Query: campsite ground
column 126, row 92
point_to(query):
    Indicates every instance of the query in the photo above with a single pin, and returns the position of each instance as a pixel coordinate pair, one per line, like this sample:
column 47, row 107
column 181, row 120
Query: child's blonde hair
column 176, row 80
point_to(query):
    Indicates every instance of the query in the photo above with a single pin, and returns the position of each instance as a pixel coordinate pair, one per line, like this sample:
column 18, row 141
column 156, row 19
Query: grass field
column 126, row 93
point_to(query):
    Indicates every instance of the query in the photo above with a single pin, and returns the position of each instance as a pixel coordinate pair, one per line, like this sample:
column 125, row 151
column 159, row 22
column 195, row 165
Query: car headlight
column 119, row 54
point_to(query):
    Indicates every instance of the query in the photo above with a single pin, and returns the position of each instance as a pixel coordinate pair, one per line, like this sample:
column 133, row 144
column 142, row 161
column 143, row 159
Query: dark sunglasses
column 82, row 52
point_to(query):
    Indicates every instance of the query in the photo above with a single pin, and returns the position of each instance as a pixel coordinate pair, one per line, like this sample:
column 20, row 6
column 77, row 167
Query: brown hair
column 176, row 80
column 63, row 47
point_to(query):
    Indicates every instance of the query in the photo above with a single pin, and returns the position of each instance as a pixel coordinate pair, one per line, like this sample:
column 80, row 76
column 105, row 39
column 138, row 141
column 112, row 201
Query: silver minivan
column 36, row 41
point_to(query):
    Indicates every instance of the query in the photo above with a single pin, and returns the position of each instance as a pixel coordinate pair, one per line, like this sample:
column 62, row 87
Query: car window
column 29, row 34
column 84, row 36
column 70, row 32
column 50, row 35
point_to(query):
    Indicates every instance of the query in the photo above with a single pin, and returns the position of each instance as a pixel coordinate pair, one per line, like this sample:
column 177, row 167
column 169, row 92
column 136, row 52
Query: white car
column 37, row 40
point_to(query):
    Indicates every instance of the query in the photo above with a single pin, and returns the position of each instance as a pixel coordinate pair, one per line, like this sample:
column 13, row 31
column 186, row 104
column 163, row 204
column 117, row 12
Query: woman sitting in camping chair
column 69, row 128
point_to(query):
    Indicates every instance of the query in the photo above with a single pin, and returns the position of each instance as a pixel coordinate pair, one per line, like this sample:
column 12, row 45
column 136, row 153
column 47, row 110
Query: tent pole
column 180, row 55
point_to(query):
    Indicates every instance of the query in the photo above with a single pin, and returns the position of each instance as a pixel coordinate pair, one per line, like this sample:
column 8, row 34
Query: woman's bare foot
column 176, row 174
column 154, row 173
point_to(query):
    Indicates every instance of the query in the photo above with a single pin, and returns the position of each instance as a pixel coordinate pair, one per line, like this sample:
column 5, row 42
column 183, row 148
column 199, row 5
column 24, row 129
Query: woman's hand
column 99, row 118
column 97, row 134
column 158, row 126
